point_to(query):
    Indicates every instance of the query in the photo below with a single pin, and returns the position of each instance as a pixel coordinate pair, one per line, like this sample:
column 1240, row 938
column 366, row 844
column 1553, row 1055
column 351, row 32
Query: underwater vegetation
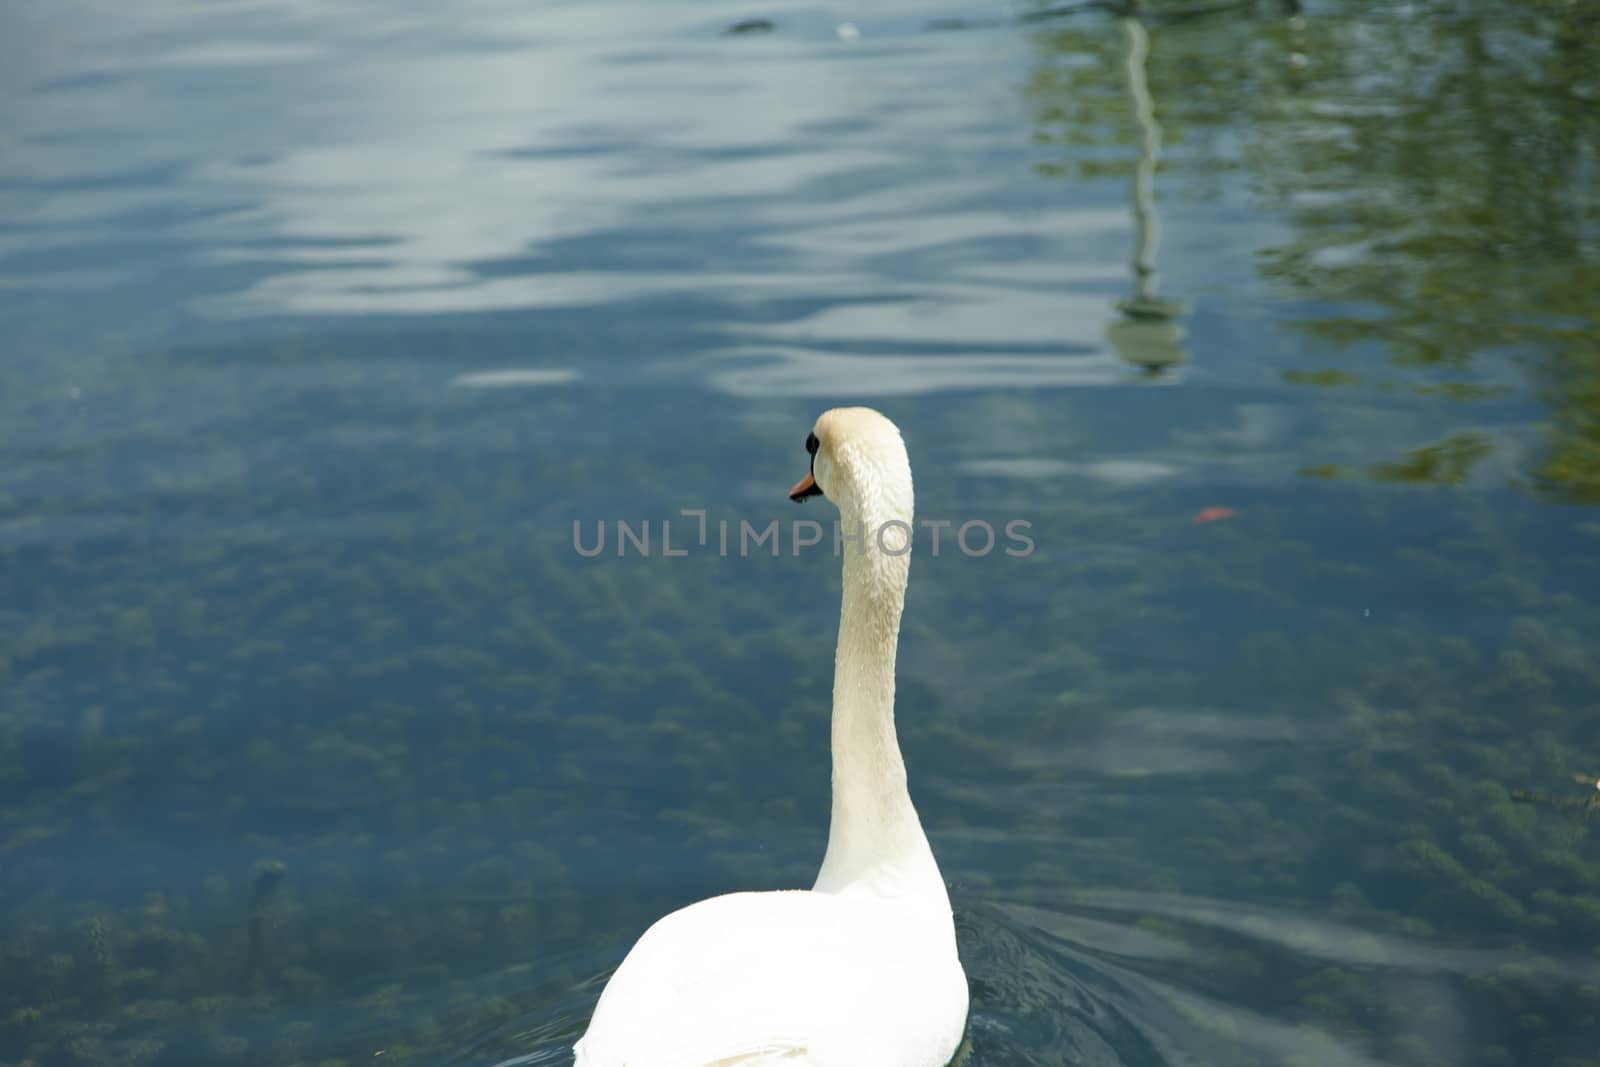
column 400, row 796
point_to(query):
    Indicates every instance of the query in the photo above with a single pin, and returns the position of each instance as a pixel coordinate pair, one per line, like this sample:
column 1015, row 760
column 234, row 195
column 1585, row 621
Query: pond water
column 325, row 322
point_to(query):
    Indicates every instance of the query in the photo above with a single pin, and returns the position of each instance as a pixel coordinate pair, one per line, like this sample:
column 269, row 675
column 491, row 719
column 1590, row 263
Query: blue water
column 325, row 323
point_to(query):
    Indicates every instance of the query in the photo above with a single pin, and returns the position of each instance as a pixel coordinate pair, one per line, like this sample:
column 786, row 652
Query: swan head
column 858, row 461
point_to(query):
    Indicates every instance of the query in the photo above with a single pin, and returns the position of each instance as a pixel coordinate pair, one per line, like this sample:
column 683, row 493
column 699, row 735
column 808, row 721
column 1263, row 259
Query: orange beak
column 805, row 487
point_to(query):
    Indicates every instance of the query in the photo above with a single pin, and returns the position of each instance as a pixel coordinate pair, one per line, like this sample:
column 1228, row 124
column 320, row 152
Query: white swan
column 860, row 970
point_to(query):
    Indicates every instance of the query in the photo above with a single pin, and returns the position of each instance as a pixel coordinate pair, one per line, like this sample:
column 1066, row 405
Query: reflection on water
column 1443, row 195
column 1149, row 335
column 326, row 321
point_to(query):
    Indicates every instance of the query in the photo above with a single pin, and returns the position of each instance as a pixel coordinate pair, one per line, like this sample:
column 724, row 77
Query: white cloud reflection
column 802, row 372
column 1337, row 942
column 1128, row 473
column 513, row 378
column 352, row 158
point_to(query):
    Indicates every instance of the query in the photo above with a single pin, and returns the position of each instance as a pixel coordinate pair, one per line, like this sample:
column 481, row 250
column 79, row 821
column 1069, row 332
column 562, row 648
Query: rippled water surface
column 325, row 322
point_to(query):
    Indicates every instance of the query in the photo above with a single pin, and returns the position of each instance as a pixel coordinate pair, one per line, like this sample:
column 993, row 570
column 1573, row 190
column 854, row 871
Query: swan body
column 860, row 970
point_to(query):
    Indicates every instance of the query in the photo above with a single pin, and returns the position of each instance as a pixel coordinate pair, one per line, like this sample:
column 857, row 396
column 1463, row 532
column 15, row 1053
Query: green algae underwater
column 320, row 744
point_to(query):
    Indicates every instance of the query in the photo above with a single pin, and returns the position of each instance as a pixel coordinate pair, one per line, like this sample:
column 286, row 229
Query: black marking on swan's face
column 808, row 486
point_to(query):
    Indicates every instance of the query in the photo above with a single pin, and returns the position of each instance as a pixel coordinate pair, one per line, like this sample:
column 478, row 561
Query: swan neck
column 875, row 839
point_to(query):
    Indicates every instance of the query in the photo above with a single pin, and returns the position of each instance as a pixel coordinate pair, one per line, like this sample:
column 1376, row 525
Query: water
column 325, row 323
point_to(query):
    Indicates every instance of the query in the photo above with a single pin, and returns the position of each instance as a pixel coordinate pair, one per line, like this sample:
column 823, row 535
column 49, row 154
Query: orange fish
column 1213, row 514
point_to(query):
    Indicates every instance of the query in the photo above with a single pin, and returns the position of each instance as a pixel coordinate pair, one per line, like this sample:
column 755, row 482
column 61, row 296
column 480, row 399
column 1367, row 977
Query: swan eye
column 811, row 444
